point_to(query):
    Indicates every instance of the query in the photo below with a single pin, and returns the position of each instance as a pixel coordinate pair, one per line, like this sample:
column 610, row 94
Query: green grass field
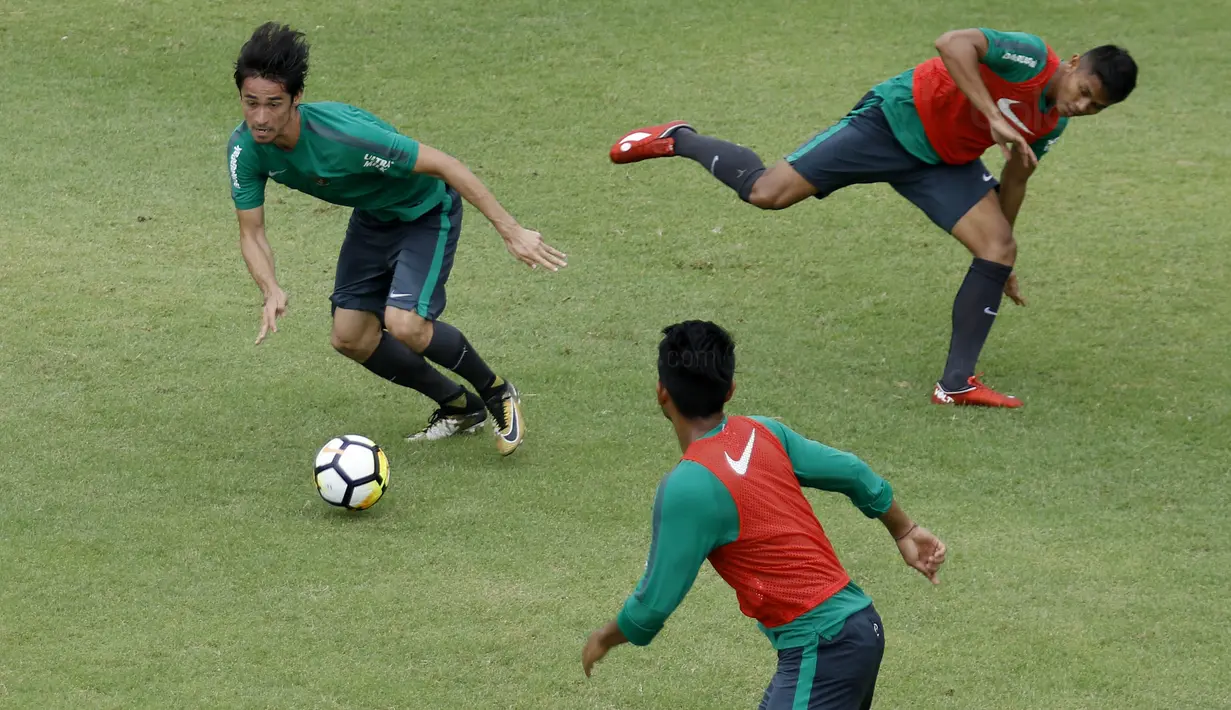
column 163, row 547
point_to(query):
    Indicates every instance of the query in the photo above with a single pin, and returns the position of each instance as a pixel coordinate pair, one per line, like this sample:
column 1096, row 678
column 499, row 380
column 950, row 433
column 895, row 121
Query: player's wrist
column 990, row 111
column 897, row 522
column 507, row 228
column 902, row 535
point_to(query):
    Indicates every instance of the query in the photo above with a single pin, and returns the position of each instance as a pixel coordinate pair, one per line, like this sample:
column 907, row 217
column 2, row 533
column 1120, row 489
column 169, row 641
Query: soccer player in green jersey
column 735, row 499
column 389, row 287
column 922, row 132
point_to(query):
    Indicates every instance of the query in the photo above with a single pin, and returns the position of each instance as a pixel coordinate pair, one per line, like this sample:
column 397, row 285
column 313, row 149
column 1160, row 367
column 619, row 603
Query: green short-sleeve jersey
column 1013, row 56
column 345, row 156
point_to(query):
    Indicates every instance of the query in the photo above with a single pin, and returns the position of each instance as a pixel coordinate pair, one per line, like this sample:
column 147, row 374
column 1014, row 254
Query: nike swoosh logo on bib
column 741, row 467
column 1006, row 107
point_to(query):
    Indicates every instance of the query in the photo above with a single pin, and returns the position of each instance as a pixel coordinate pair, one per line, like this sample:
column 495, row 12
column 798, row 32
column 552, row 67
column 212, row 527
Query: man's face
column 268, row 109
column 1079, row 92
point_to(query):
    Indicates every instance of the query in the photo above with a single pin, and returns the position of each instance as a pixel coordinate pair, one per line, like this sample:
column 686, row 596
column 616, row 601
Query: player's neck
column 290, row 138
column 1053, row 85
column 689, row 430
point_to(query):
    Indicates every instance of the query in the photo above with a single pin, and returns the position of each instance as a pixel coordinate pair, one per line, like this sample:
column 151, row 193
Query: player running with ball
column 923, row 132
column 389, row 288
column 735, row 499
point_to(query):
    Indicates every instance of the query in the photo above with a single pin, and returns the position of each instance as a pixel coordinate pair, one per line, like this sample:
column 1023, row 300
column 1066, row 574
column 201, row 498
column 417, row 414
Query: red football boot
column 978, row 395
column 646, row 143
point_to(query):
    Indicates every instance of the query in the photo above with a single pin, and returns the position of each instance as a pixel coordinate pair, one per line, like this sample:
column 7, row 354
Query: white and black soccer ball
column 351, row 472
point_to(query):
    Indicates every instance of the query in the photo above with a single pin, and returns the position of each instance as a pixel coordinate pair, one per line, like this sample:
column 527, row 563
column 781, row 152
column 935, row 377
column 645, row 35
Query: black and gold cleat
column 505, row 407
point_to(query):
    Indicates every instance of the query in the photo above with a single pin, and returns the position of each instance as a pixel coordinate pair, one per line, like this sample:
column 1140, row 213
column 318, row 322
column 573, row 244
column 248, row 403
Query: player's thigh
column 858, row 149
column 946, row 193
column 364, row 270
column 830, row 675
column 423, row 260
column 986, row 232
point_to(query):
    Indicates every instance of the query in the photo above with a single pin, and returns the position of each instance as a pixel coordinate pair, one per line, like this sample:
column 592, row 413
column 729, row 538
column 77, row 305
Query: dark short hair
column 1115, row 69
column 275, row 52
column 696, row 365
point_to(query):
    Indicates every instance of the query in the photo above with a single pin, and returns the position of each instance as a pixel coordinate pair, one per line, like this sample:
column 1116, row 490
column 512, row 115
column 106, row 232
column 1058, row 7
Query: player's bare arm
column 1013, row 180
column 525, row 244
column 1012, row 192
column 260, row 259
column 962, row 51
column 920, row 548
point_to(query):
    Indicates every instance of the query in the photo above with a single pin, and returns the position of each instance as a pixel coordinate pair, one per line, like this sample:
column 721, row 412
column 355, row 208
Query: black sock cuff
column 386, row 353
column 996, row 272
column 447, row 347
column 745, row 188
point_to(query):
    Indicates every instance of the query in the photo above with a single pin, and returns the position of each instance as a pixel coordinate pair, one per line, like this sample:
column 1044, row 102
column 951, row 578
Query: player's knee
column 1001, row 248
column 410, row 328
column 767, row 197
column 356, row 345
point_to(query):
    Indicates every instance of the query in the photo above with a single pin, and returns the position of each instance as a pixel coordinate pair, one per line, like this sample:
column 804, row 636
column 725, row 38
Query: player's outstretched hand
column 599, row 643
column 1010, row 142
column 923, row 551
column 529, row 248
column 593, row 652
column 275, row 308
column 1013, row 291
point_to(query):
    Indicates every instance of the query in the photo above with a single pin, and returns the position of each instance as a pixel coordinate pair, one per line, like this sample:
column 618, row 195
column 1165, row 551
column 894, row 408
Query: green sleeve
column 399, row 154
column 244, row 165
column 1014, row 56
column 385, row 150
column 369, row 144
column 693, row 514
column 1044, row 144
column 828, row 469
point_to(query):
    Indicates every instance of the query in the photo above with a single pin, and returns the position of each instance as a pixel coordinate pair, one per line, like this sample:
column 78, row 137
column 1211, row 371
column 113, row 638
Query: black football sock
column 495, row 388
column 974, row 311
column 449, row 348
column 734, row 165
column 396, row 362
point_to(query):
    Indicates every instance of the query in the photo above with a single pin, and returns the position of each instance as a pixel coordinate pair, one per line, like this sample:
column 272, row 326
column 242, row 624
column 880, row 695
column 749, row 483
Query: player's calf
column 735, row 166
column 449, row 348
column 358, row 335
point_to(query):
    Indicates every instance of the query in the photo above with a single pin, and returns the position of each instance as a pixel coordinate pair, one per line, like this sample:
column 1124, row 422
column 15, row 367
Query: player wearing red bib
column 923, row 132
column 735, row 498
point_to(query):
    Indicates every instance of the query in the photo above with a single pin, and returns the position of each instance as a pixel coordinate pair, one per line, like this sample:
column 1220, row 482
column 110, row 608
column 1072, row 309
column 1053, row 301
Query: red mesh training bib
column 782, row 565
column 960, row 133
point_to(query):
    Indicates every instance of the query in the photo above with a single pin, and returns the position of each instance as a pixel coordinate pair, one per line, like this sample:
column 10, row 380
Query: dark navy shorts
column 861, row 148
column 830, row 675
column 400, row 264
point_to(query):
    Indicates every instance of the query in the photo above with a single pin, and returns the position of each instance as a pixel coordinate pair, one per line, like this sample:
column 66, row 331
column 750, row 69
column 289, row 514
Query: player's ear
column 730, row 391
column 661, row 392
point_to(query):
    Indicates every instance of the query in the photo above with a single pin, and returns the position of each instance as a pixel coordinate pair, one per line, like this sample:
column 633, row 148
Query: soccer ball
column 351, row 472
